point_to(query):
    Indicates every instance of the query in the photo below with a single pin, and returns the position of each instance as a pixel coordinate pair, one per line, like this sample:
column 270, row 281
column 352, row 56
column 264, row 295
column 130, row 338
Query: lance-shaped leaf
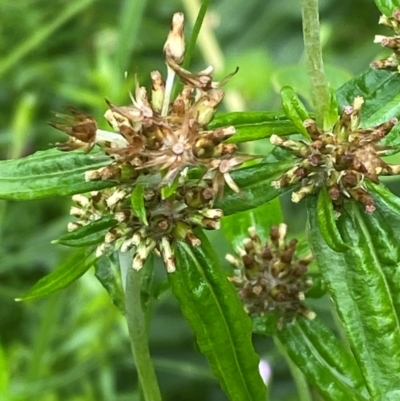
column 254, row 125
column 65, row 274
column 363, row 283
column 388, row 7
column 323, row 359
column 235, row 227
column 390, row 200
column 91, row 234
column 222, row 328
column 255, row 186
column 294, row 109
column 379, row 90
column 327, row 222
column 50, row 173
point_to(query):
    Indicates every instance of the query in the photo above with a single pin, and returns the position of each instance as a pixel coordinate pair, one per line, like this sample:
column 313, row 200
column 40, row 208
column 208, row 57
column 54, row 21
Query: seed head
column 270, row 278
column 340, row 159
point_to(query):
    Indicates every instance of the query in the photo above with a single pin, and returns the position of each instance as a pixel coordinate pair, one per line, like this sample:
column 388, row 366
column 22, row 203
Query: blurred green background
column 73, row 346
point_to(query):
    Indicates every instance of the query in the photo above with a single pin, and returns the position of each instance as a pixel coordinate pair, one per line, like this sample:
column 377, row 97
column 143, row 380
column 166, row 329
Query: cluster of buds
column 166, row 220
column 340, row 159
column 392, row 62
column 155, row 141
column 270, row 278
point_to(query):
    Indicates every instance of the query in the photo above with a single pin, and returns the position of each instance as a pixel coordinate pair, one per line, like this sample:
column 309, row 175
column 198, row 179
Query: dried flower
column 392, row 62
column 269, row 277
column 154, row 141
column 340, row 159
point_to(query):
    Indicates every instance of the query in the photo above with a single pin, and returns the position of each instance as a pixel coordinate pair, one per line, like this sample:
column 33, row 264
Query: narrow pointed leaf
column 363, row 283
column 222, row 328
column 98, row 227
column 255, row 183
column 379, row 90
column 294, row 109
column 137, row 203
column 328, row 366
column 251, row 126
column 50, row 173
column 327, row 222
column 385, row 196
column 68, row 272
column 235, row 227
column 381, row 101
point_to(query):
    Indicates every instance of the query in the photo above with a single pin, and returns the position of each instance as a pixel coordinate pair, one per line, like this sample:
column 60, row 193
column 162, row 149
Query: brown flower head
column 270, row 277
column 157, row 135
column 340, row 159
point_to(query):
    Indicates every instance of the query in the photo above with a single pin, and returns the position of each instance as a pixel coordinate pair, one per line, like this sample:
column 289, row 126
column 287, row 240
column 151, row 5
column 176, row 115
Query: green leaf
column 381, row 100
column 68, row 272
column 90, row 234
column 363, row 283
column 266, row 325
column 387, row 7
column 235, row 227
column 297, row 77
column 137, row 203
column 107, row 271
column 294, row 109
column 378, row 88
column 251, row 126
column 325, row 362
column 222, row 328
column 50, row 173
column 333, row 111
column 390, row 200
column 327, row 222
column 255, row 186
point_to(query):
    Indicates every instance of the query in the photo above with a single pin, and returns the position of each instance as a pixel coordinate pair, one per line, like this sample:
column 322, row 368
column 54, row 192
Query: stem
column 195, row 33
column 315, row 64
column 303, row 390
column 137, row 334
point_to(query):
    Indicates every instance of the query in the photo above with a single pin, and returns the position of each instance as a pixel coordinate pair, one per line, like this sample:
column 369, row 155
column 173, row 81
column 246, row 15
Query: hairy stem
column 315, row 64
column 138, row 334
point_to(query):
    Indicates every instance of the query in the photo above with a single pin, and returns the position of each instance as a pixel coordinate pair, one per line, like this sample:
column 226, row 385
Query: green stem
column 315, row 64
column 298, row 377
column 195, row 33
column 137, row 333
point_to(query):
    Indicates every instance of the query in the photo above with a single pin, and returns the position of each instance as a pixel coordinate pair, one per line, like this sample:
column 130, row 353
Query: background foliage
column 73, row 345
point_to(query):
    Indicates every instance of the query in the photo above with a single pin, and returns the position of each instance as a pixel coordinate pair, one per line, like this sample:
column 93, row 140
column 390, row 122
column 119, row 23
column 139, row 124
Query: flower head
column 270, row 277
column 340, row 159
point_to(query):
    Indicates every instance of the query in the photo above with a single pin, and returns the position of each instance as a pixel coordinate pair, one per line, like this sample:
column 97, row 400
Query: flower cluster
column 340, row 159
column 155, row 141
column 165, row 220
column 270, row 278
column 392, row 42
